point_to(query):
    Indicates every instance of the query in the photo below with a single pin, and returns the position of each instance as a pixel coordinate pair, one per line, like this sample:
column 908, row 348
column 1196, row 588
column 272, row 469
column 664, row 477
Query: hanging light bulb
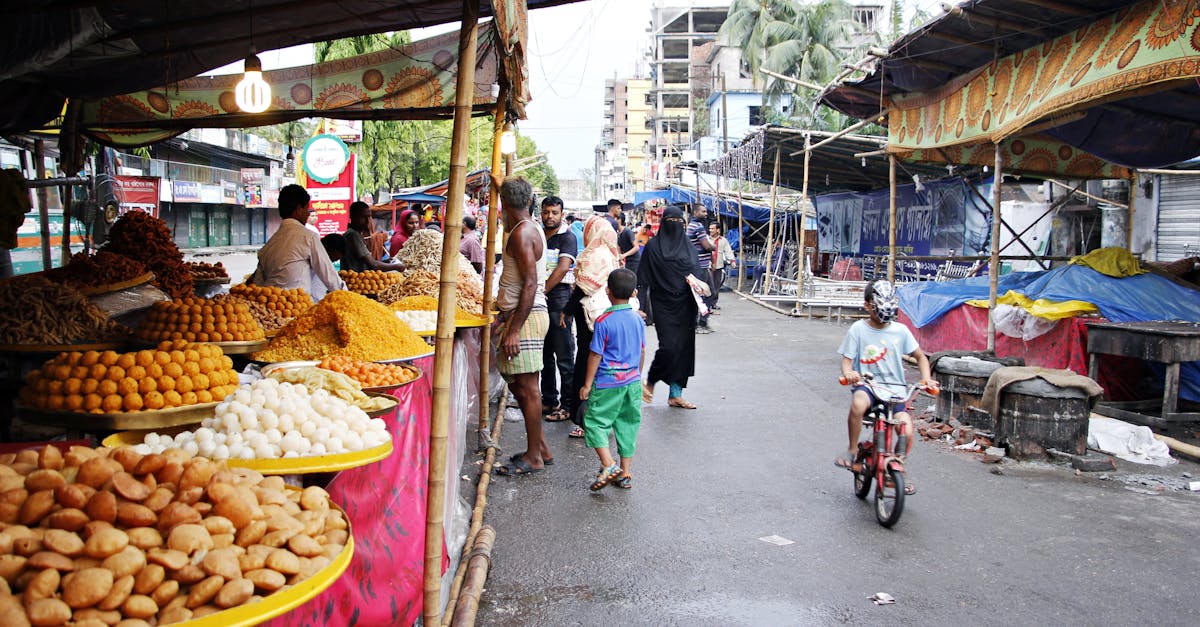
column 508, row 140
column 252, row 94
column 864, row 162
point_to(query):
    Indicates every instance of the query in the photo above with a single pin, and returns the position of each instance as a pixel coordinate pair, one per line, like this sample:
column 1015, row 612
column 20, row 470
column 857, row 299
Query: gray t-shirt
column 879, row 352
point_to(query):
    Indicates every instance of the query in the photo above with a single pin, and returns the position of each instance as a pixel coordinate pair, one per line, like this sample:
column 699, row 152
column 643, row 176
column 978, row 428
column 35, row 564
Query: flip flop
column 845, row 461
column 518, row 468
column 681, row 404
column 545, row 462
column 577, row 432
column 647, row 394
column 909, row 489
column 625, row 482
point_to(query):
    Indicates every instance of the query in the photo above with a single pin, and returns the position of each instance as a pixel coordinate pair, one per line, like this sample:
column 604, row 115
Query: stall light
column 864, row 162
column 252, row 94
column 508, row 140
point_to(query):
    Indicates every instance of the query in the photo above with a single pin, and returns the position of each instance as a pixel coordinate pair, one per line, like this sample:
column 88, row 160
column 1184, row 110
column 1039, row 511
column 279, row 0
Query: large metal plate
column 119, row 421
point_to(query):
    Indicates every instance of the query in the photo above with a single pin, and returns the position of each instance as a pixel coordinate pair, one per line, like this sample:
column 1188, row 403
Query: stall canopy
column 833, row 167
column 723, row 206
column 1070, row 88
column 87, row 49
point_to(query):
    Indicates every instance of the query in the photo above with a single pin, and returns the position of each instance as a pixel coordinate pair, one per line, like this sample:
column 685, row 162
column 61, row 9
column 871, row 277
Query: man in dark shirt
column 559, row 349
column 626, row 241
column 357, row 255
column 697, row 232
column 614, row 214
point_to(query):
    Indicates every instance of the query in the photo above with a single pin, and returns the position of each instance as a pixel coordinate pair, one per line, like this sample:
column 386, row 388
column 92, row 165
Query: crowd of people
column 568, row 295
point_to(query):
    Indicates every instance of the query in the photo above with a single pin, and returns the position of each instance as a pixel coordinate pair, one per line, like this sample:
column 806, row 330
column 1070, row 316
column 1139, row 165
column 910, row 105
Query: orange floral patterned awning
column 415, row 81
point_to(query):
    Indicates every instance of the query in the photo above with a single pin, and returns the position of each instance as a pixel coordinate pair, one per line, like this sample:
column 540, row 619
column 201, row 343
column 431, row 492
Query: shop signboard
column 331, row 171
column 211, row 194
column 186, row 191
column 349, row 131
column 139, row 193
column 229, row 193
column 252, row 185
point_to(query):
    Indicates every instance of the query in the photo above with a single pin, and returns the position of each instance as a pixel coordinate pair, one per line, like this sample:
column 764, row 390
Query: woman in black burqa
column 666, row 261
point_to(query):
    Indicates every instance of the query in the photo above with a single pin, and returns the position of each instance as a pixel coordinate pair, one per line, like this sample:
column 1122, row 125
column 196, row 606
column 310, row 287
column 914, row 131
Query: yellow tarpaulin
column 1041, row 307
column 1117, row 263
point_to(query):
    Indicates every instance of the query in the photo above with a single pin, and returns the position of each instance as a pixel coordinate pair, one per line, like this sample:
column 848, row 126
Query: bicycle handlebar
column 932, row 390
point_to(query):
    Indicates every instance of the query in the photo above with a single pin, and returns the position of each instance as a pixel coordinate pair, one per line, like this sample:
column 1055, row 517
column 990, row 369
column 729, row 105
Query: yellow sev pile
column 345, row 323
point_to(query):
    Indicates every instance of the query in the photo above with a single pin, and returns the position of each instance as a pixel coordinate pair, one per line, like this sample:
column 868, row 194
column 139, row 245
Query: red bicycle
column 880, row 459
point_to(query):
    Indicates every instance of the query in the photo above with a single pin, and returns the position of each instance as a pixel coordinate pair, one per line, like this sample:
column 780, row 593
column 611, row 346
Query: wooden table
column 1171, row 343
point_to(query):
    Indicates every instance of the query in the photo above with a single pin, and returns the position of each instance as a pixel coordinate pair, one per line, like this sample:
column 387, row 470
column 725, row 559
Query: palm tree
column 806, row 41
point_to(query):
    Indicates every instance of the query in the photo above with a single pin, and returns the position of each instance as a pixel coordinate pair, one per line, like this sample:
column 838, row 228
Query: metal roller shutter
column 1178, row 216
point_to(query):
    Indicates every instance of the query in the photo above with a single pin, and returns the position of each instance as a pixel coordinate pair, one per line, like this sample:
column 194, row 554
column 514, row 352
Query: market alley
column 985, row 544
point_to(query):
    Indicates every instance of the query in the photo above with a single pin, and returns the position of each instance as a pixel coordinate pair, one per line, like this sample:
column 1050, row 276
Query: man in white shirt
column 294, row 257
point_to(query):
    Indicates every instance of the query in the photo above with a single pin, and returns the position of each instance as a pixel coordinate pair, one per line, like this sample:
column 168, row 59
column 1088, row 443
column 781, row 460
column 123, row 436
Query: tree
column 541, row 175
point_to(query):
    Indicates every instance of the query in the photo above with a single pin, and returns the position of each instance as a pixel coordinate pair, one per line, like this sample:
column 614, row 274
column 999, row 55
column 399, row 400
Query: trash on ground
column 1130, row 442
column 882, row 598
column 776, row 540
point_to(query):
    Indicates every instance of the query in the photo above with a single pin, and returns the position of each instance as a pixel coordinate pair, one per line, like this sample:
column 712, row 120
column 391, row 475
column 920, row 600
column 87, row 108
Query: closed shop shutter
column 240, row 226
column 218, row 225
column 198, row 225
column 1178, row 217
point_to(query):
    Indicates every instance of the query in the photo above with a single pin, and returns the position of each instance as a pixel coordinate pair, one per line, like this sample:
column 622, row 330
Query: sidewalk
column 1033, row 545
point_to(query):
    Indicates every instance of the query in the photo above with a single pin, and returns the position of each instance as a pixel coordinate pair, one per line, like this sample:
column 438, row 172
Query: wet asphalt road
column 1034, row 545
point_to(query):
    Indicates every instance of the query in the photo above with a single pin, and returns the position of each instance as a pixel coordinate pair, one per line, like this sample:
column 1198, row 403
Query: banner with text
column 945, row 217
column 331, row 201
column 139, row 193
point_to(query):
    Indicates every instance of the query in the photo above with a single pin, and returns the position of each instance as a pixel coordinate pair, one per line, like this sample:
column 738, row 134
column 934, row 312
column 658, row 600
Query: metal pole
column 994, row 262
column 891, row 218
column 447, row 297
column 771, row 223
column 64, row 194
column 489, row 267
column 39, row 172
column 803, row 218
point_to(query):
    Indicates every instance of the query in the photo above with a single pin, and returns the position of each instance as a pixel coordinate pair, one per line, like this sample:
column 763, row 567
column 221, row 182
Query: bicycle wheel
column 862, row 478
column 889, row 499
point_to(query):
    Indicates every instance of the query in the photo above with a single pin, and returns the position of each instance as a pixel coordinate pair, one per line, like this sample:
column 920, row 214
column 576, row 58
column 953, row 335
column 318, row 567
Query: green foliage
column 541, row 175
column 700, row 115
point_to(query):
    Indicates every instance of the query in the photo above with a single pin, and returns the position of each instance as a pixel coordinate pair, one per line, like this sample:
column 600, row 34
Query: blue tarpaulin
column 1140, row 298
column 725, row 207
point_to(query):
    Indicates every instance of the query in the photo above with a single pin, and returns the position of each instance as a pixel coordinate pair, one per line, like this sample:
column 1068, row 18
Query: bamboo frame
column 891, row 273
column 741, row 241
column 803, row 255
column 447, row 301
column 771, row 224
column 489, row 266
column 39, row 172
column 994, row 261
column 1133, row 179
column 480, row 561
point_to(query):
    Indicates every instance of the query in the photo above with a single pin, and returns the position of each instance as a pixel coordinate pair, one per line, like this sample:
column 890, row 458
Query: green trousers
column 617, row 410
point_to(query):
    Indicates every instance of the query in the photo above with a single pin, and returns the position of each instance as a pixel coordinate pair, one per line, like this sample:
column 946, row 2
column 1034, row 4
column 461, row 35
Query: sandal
column 909, row 488
column 847, row 461
column 577, row 432
column 546, row 461
column 518, row 468
column 560, row 414
column 680, row 403
column 625, row 482
column 647, row 394
column 606, row 476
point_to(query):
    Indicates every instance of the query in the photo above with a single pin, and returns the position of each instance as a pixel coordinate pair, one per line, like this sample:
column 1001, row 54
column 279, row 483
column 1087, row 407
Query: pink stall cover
column 386, row 505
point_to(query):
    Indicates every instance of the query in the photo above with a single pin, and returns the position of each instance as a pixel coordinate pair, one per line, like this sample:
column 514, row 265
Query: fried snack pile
column 287, row 303
column 370, row 374
column 344, row 323
column 426, row 283
column 107, row 536
column 197, row 319
column 269, row 319
column 173, row 375
column 370, row 281
column 38, row 311
column 145, row 238
column 102, row 268
column 203, row 270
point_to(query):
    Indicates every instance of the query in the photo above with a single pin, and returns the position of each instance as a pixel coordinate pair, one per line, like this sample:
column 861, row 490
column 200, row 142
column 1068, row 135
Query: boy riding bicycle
column 875, row 346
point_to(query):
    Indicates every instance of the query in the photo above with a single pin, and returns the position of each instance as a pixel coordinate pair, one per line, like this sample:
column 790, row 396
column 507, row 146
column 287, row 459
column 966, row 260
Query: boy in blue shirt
column 613, row 385
column 875, row 346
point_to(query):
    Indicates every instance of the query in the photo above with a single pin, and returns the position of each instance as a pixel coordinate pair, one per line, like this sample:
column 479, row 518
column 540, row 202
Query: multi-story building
column 621, row 155
column 676, row 29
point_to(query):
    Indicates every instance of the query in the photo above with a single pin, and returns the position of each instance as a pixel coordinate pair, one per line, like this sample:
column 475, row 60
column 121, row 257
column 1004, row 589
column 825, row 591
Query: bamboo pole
column 846, row 131
column 477, row 572
column 771, row 224
column 741, row 241
column 803, row 256
column 994, row 262
column 1133, row 179
column 892, row 218
column 64, row 195
column 39, row 172
column 485, row 480
column 447, row 297
column 489, row 266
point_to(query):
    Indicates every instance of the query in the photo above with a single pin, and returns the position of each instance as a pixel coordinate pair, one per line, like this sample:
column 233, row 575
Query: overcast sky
column 573, row 48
